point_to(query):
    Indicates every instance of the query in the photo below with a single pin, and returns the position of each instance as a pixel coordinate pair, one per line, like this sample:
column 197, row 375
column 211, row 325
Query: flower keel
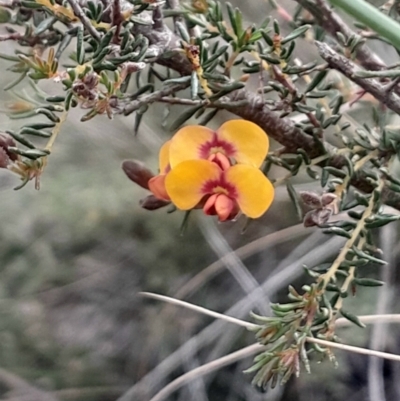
column 221, row 205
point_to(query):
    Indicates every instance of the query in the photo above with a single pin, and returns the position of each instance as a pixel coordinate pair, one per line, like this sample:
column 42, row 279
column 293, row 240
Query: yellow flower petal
column 163, row 158
column 251, row 142
column 185, row 183
column 187, row 142
column 255, row 192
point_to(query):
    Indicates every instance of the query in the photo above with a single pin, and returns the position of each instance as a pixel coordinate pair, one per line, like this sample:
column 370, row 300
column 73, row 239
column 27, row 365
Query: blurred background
column 75, row 255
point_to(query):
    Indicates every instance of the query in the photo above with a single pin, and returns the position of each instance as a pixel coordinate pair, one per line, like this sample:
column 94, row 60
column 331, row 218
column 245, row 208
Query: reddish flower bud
column 91, row 80
column 137, row 173
column 86, row 88
column 317, row 217
column 7, row 141
column 311, row 199
column 153, row 203
column 328, row 198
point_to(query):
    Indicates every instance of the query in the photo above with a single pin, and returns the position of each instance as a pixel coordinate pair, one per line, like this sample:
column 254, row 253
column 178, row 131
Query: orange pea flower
column 223, row 192
column 237, row 141
column 217, row 171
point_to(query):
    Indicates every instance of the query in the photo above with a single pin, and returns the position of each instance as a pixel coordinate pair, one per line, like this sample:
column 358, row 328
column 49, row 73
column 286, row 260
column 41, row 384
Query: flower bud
column 317, row 217
column 328, row 198
column 87, row 87
column 152, row 203
column 311, row 199
column 7, row 141
column 244, row 78
column 91, row 80
column 137, row 173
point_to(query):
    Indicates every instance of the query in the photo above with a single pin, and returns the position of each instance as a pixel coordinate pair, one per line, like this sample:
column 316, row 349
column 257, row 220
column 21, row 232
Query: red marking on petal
column 216, row 145
column 220, row 186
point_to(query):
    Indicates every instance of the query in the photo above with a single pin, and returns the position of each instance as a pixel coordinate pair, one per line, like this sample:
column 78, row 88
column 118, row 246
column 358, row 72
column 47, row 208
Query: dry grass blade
column 206, row 369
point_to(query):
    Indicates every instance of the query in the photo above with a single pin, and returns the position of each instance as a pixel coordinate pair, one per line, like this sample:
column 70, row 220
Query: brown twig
column 154, row 97
column 11, row 36
column 288, row 84
column 117, row 20
column 158, row 22
column 85, row 20
column 31, row 40
column 349, row 69
column 222, row 103
column 334, row 25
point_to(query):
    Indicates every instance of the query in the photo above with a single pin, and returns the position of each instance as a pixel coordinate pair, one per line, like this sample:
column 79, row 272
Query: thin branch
column 379, row 334
column 369, row 319
column 199, row 309
column 206, row 369
column 158, row 22
column 84, row 19
column 198, row 385
column 251, row 350
column 12, row 36
column 117, row 20
column 223, row 103
column 341, row 322
column 288, row 84
column 154, row 97
column 332, row 23
column 351, row 348
column 349, row 69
